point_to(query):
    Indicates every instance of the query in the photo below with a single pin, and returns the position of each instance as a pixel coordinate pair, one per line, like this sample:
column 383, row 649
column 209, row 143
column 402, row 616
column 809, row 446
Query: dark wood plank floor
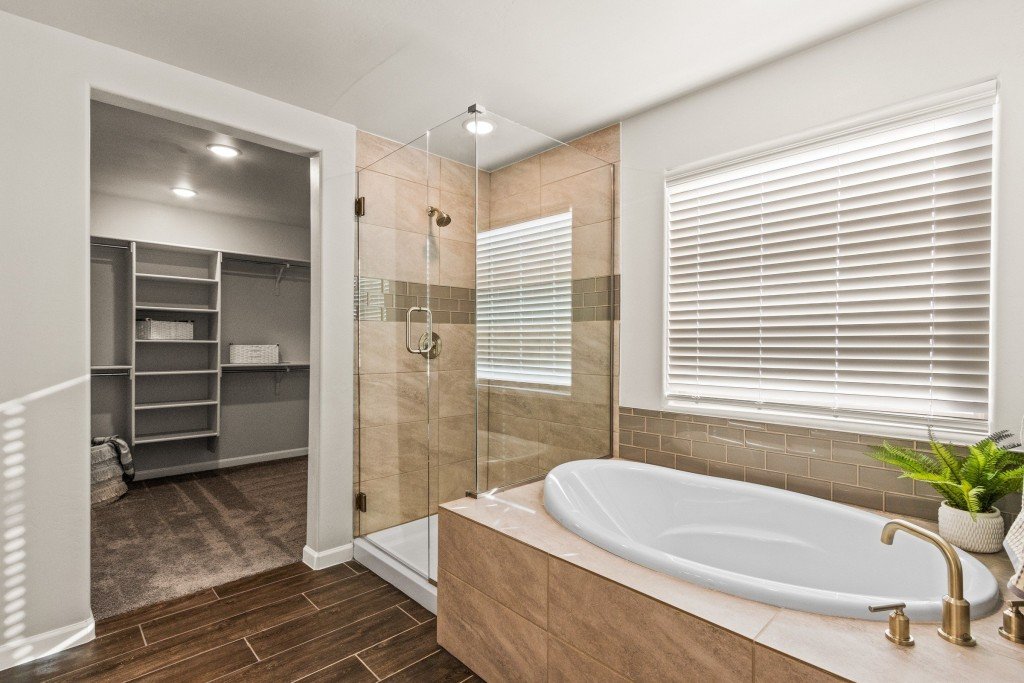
column 286, row 624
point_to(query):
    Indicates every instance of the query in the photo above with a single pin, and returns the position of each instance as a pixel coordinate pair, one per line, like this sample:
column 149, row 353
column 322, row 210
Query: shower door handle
column 426, row 348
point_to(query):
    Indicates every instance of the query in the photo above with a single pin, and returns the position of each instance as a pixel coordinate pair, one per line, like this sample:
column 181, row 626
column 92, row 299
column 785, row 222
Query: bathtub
column 756, row 542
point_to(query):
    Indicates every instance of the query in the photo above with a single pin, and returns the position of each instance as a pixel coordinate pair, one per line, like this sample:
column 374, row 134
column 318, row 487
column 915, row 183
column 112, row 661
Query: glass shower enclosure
column 484, row 299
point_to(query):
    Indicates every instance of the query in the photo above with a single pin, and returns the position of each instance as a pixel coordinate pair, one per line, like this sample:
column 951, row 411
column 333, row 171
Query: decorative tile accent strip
column 819, row 462
column 593, row 298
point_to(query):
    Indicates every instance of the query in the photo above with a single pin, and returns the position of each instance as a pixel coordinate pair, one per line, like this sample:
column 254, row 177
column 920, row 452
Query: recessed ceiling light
column 184, row 192
column 226, row 151
column 478, row 126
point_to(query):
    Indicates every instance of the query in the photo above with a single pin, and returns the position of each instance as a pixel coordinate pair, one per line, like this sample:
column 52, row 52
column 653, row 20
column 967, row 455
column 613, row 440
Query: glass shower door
column 396, row 392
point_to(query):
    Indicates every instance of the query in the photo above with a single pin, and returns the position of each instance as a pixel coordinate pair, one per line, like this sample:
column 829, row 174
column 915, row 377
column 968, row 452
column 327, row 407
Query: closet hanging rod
column 290, row 264
column 109, row 246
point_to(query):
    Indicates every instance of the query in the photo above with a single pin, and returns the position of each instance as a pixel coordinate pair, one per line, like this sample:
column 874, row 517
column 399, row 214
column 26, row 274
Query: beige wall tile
column 591, row 349
column 462, row 209
column 457, row 392
column 393, row 254
column 458, row 347
column 382, row 348
column 455, row 438
column 568, row 665
column 516, row 178
column 516, row 208
column 592, row 250
column 393, row 398
column 771, row 666
column 372, row 148
column 394, row 500
column 411, row 201
column 458, row 263
column 387, row 450
column 603, row 144
column 452, row 481
column 456, row 177
column 590, row 195
column 490, row 639
column 408, row 163
column 510, row 572
column 379, row 190
column 660, row 644
column 564, row 161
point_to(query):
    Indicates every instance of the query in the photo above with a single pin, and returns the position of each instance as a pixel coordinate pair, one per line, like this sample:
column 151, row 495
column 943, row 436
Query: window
column 524, row 302
column 848, row 279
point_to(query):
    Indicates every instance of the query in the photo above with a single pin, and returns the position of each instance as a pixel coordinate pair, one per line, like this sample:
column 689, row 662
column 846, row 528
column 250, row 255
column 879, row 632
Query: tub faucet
column 956, row 612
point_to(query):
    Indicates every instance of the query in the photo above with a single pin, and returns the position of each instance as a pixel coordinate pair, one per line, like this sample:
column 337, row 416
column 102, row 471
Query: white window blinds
column 524, row 302
column 850, row 279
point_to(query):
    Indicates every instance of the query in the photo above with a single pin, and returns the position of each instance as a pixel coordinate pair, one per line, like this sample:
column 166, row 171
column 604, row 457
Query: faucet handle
column 1013, row 622
column 899, row 623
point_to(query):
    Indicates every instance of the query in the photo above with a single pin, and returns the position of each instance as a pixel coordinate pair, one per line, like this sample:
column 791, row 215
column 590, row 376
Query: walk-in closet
column 200, row 328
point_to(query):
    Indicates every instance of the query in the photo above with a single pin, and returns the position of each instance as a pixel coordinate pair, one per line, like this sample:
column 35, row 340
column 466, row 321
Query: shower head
column 441, row 218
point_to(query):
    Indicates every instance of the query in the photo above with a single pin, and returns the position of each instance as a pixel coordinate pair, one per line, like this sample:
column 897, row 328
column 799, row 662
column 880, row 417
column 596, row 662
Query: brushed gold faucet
column 956, row 612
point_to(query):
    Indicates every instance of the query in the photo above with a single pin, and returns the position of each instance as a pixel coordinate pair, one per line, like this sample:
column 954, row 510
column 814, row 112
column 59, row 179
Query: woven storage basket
column 164, row 329
column 254, row 353
column 106, row 475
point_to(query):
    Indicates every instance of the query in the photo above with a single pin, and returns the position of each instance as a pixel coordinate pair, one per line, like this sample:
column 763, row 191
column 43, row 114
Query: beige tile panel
column 458, row 263
column 462, row 209
column 660, row 643
column 771, row 666
column 589, row 195
column 506, row 570
column 517, row 178
column 451, row 481
column 457, row 178
column 516, row 208
column 393, row 398
column 457, row 391
column 371, row 148
column 591, row 350
column 455, row 438
column 564, row 161
column 394, row 254
column 592, row 250
column 387, row 450
column 566, row 664
column 490, row 639
column 458, row 347
column 603, row 144
column 408, row 163
column 382, row 348
column 394, row 500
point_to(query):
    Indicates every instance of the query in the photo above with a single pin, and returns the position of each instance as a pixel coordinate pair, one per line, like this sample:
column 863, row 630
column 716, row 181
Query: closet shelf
column 263, row 367
column 175, row 436
column 161, row 373
column 184, row 279
column 174, row 404
column 173, row 309
column 104, row 368
column 175, row 341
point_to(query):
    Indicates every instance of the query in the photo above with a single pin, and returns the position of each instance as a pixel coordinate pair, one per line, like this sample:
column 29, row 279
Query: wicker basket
column 175, row 330
column 254, row 354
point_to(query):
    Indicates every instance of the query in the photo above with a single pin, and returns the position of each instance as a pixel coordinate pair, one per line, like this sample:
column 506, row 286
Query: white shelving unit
column 176, row 283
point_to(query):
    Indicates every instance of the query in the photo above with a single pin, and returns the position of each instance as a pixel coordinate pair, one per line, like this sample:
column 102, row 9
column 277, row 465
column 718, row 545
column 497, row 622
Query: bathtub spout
column 956, row 612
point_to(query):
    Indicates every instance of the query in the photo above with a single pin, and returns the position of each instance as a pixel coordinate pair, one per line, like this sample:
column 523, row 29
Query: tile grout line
column 142, row 633
column 365, row 665
column 249, row 645
column 395, row 636
column 408, row 666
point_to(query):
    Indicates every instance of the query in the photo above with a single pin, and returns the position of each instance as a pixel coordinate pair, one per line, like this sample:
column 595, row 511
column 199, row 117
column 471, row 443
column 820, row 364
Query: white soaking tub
column 757, row 542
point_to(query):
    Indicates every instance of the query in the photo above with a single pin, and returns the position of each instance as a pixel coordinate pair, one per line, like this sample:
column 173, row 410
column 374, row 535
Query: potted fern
column 970, row 484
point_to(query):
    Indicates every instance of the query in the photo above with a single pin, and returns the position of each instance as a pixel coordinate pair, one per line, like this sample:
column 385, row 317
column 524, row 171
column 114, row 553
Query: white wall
column 46, row 77
column 940, row 46
column 142, row 221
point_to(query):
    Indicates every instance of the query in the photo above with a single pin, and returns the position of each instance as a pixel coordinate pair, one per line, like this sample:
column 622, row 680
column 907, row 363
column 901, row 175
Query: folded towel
column 1014, row 545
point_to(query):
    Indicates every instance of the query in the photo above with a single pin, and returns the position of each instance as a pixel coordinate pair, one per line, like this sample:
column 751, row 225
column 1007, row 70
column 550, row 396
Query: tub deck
column 517, row 591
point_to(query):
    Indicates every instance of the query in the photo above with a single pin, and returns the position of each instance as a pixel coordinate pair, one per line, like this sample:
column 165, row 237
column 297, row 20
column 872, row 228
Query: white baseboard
column 22, row 650
column 219, row 464
column 327, row 558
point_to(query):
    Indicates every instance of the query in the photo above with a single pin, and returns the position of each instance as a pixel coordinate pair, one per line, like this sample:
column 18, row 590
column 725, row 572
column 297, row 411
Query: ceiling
column 399, row 67
column 140, row 156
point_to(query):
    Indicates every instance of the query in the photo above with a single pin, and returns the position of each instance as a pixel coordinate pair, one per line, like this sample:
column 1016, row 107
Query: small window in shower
column 524, row 302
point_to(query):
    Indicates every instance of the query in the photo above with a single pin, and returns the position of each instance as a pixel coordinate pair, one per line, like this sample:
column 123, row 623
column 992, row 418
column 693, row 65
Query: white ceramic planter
column 981, row 535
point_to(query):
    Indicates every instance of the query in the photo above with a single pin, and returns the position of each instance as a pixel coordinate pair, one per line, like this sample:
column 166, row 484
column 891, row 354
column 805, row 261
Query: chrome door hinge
column 360, row 206
column 361, row 501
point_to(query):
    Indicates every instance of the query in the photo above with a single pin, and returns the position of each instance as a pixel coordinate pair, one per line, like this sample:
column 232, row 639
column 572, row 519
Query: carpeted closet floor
column 174, row 536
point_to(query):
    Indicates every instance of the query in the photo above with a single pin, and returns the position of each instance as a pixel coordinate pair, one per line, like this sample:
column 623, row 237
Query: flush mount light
column 478, row 126
column 226, row 151
column 184, row 192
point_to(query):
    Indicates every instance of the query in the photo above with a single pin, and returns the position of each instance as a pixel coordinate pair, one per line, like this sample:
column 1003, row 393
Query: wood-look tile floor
column 286, row 624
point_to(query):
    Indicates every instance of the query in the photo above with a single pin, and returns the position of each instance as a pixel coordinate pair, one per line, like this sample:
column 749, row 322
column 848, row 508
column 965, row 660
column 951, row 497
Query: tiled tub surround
column 822, row 463
column 522, row 598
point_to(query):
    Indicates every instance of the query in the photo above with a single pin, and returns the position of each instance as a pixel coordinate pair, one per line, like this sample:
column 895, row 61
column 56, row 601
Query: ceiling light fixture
column 184, row 192
column 478, row 126
column 226, row 151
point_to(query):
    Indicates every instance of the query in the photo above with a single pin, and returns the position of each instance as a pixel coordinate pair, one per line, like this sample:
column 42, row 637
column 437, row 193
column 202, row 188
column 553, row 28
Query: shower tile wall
column 525, row 433
column 392, row 438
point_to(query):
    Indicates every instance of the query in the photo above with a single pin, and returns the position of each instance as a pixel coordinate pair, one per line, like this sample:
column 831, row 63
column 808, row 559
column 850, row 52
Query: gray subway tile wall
column 823, row 463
